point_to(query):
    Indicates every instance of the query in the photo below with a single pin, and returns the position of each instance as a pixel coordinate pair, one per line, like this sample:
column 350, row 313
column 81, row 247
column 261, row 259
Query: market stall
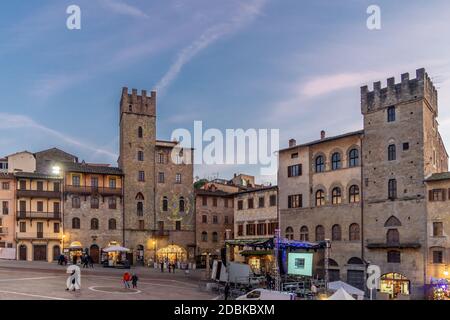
column 115, row 256
column 75, row 252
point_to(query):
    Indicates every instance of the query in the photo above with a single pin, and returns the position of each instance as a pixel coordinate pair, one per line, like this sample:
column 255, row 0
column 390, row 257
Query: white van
column 264, row 294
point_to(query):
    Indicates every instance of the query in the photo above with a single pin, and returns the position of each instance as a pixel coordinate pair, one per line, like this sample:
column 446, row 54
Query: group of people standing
column 171, row 266
column 87, row 261
column 127, row 278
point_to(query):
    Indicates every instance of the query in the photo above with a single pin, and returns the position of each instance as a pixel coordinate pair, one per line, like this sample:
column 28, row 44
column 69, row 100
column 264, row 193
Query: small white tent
column 341, row 294
column 336, row 285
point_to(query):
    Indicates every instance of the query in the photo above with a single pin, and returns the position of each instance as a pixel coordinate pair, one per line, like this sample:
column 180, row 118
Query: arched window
column 140, row 208
column 205, row 236
column 289, row 233
column 336, row 196
column 353, row 158
column 76, row 223
column 354, row 232
column 95, row 204
column 336, row 233
column 182, row 204
column 392, row 222
column 304, row 234
column 393, row 237
column 112, row 224
column 76, row 203
column 320, row 233
column 336, row 161
column 94, row 224
column 353, row 194
column 320, row 198
column 320, row 164
column 165, row 204
column 140, row 132
column 140, row 196
column 355, row 260
column 391, row 152
column 215, row 237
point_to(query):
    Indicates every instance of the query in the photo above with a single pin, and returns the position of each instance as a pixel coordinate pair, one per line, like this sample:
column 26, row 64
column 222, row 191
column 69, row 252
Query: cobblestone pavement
column 43, row 281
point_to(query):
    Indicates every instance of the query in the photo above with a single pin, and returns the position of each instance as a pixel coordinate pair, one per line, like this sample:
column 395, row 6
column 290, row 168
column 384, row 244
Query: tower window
column 392, row 189
column 140, row 132
column 141, row 176
column 140, row 155
column 391, row 114
column 391, row 152
column 406, row 146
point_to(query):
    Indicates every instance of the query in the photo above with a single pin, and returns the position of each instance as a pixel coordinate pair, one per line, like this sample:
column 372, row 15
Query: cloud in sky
column 121, row 7
column 16, row 121
column 247, row 12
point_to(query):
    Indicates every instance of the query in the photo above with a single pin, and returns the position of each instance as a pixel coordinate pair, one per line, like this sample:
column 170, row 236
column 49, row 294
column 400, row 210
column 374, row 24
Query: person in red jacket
column 126, row 280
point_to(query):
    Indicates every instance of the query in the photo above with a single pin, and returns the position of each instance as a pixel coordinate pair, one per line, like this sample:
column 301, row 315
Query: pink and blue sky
column 295, row 65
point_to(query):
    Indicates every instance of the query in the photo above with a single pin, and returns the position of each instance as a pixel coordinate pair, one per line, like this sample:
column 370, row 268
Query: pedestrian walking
column 169, row 265
column 91, row 262
column 134, row 280
column 126, row 280
column 162, row 266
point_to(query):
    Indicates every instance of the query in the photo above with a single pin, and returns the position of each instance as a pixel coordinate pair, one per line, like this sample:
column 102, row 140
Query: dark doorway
column 40, row 252
column 94, row 252
column 56, row 253
column 23, row 253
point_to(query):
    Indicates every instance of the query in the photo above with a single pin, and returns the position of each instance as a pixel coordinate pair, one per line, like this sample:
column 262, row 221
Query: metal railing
column 38, row 215
column 38, row 193
column 38, row 235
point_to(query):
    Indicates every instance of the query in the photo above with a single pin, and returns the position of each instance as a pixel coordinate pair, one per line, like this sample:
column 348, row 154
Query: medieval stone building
column 366, row 190
column 159, row 219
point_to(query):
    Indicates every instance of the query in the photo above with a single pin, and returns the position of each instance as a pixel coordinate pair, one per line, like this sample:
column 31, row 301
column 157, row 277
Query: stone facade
column 154, row 228
column 214, row 222
column 396, row 223
column 399, row 147
column 93, row 208
column 438, row 227
column 339, row 221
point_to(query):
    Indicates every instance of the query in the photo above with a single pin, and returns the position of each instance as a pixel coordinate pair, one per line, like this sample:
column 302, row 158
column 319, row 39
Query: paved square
column 42, row 281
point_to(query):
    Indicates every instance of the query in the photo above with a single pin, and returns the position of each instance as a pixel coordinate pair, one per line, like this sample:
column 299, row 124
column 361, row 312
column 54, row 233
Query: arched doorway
column 172, row 254
column 23, row 252
column 94, row 252
column 394, row 284
column 334, row 273
column 56, row 253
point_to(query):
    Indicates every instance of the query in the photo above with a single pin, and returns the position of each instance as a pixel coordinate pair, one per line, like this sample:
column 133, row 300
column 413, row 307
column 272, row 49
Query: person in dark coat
column 134, row 280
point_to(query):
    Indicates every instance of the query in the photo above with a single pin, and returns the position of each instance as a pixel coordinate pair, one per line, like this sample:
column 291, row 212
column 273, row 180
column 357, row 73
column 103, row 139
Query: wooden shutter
column 443, row 194
column 430, row 195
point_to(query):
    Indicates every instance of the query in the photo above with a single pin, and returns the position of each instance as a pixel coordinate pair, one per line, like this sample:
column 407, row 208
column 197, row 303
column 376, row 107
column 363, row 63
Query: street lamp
column 56, row 170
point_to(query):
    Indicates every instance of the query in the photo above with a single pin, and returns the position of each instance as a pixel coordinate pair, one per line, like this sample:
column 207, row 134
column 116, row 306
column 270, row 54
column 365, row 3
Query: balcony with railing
column 160, row 233
column 24, row 193
column 38, row 215
column 87, row 190
column 38, row 236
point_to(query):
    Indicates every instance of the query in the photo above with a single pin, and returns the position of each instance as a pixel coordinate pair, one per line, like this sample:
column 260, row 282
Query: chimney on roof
column 292, row 143
column 322, row 134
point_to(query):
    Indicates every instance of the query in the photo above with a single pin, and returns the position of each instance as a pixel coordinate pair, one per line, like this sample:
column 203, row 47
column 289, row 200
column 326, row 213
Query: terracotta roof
column 217, row 193
column 35, row 175
column 86, row 168
column 438, row 176
column 349, row 134
column 266, row 188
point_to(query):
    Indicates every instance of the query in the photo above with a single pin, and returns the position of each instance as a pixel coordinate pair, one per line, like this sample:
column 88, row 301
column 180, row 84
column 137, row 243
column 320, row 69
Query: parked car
column 264, row 294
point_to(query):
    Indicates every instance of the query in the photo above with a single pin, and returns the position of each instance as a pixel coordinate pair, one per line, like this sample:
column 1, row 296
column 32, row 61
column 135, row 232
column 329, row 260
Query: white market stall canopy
column 336, row 285
column 116, row 249
column 341, row 294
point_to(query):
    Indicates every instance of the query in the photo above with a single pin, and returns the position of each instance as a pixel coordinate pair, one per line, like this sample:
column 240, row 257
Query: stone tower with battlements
column 137, row 161
column 401, row 147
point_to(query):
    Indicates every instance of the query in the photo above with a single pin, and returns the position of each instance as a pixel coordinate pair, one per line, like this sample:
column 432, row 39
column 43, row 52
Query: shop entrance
column 94, row 252
column 172, row 254
column 40, row 252
column 394, row 284
column 23, row 252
